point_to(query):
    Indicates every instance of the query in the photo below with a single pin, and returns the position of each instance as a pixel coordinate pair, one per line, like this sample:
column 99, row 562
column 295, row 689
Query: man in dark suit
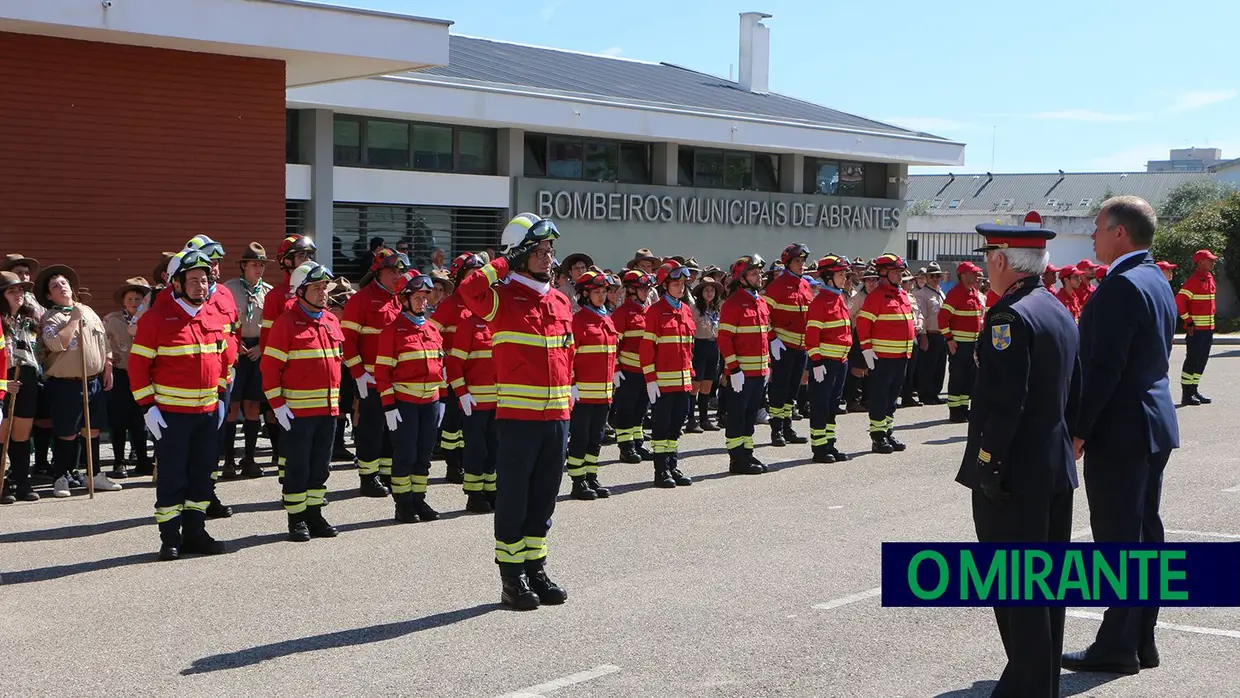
column 1019, row 460
column 1127, row 425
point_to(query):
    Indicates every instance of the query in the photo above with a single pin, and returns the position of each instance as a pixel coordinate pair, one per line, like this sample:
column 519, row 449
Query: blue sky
column 1082, row 85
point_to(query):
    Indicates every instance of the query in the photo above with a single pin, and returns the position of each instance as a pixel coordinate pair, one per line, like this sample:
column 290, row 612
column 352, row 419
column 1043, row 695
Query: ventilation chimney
column 755, row 59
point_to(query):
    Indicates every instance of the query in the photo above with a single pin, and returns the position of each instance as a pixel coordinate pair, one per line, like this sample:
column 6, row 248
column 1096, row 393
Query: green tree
column 1214, row 226
column 1097, row 206
column 920, row 207
column 1189, row 197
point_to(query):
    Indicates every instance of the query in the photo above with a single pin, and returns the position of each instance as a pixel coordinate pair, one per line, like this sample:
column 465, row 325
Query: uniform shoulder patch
column 1002, row 316
column 1001, row 336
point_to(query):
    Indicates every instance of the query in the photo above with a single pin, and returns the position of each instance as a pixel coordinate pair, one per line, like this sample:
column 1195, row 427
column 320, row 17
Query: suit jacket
column 1126, row 333
column 1027, row 393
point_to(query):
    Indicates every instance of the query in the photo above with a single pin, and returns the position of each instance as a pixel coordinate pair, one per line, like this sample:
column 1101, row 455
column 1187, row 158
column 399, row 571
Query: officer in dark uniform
column 1019, row 460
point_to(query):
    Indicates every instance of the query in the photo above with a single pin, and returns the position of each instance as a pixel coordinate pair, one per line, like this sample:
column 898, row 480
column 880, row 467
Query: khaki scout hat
column 136, row 283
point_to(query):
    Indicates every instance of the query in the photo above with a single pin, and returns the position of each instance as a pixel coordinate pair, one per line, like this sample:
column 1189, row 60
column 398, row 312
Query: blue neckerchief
column 752, row 292
column 832, row 289
column 314, row 314
column 602, row 312
column 211, row 289
column 418, row 320
column 672, row 301
column 789, row 271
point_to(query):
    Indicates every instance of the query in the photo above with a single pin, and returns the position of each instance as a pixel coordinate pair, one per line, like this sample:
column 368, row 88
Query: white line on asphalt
column 571, row 679
column 837, row 506
column 1087, row 615
column 1233, row 489
column 859, row 596
column 1080, row 533
column 1207, row 534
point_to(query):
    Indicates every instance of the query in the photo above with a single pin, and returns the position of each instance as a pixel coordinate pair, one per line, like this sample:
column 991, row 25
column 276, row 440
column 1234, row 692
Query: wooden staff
column 4, row 451
column 90, row 458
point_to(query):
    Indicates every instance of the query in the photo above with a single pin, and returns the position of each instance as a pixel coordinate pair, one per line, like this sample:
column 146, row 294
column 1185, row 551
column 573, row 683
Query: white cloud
column 548, row 11
column 612, row 51
column 1197, row 99
column 1086, row 115
column 928, row 124
column 1128, row 160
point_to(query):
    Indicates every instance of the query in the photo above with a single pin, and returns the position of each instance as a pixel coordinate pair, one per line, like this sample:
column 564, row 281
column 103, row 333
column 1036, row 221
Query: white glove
column 820, row 373
column 219, row 414
column 617, row 379
column 393, row 418
column 365, row 380
column 154, row 422
column 1, row 418
column 870, row 358
column 652, row 390
column 468, row 403
column 574, row 395
column 284, row 415
column 777, row 349
column 440, row 408
column 738, row 381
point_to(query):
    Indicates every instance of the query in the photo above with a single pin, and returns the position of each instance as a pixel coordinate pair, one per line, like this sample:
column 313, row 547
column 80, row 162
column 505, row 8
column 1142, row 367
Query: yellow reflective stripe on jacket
column 419, row 390
column 828, row 351
column 747, row 329
column 268, row 324
column 412, row 356
column 181, row 397
column 819, row 324
column 595, row 391
column 349, row 325
column 381, row 360
column 141, row 350
column 597, row 349
column 896, row 316
column 483, row 393
column 752, row 363
column 532, row 340
column 314, row 354
column 353, row 361
column 275, row 354
column 370, row 330
column 672, row 339
column 144, row 392
column 787, row 308
column 789, row 337
column 632, row 334
column 962, row 336
column 630, row 359
column 190, row 350
column 1202, row 319
column 892, row 345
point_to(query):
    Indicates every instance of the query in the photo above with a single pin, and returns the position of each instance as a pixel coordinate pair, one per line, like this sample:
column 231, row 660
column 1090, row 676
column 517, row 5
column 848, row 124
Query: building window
column 857, row 179
column 684, row 175
column 292, row 136
column 359, row 229
column 635, row 163
column 602, row 160
column 432, row 148
column 737, row 171
column 564, row 158
column 348, row 141
column 708, row 168
column 535, row 155
column 475, row 151
column 765, row 172
column 852, row 179
column 387, row 144
column 822, row 177
column 722, row 169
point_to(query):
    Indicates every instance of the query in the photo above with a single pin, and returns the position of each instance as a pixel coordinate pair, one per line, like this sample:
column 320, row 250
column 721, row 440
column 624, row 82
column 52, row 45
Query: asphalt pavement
column 739, row 586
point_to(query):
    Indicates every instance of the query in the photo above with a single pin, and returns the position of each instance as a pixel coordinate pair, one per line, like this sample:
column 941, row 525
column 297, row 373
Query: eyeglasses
column 540, row 253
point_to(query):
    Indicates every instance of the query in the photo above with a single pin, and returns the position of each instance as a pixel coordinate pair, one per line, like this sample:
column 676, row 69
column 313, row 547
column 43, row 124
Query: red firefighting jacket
column 301, row 364
column 469, row 364
column 789, row 296
column 366, row 314
column 177, row 361
column 1195, row 302
column 408, row 362
column 630, row 323
column 532, row 343
column 992, row 298
column 828, row 333
column 1070, row 301
column 885, row 323
column 666, row 348
column 595, row 361
column 960, row 318
column 278, row 301
column 744, row 326
column 447, row 315
column 1084, row 291
column 226, row 306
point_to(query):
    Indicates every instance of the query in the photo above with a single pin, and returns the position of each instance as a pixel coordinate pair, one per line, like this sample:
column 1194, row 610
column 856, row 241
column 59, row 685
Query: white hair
column 1029, row 261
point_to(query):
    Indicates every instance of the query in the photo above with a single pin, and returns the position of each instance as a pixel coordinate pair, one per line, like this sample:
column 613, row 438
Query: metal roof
column 1049, row 194
column 486, row 62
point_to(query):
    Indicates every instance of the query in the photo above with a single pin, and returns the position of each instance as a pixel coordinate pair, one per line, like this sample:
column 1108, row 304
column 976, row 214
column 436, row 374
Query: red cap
column 1100, row 272
column 1085, row 265
column 1165, row 265
column 1203, row 254
column 1065, row 272
column 1051, row 269
column 967, row 268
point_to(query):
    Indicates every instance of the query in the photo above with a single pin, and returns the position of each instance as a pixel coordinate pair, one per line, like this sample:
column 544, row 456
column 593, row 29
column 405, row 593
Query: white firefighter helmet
column 525, row 225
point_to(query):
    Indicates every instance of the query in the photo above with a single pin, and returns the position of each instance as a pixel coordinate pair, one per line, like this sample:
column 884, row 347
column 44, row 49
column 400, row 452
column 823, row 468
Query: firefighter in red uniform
column 1086, row 289
column 532, row 344
column 960, row 319
column 1195, row 303
column 1070, row 277
column 366, row 314
column 178, row 372
column 666, row 352
column 828, row 335
column 445, row 318
column 630, row 396
column 885, row 328
column 744, row 326
column 294, row 251
column 301, row 380
column 789, row 295
column 408, row 378
column 1048, row 278
column 471, row 376
column 594, row 366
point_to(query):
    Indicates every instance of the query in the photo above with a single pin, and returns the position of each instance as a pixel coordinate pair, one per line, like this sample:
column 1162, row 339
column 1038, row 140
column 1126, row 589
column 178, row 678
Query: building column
column 665, row 164
column 792, row 173
column 510, row 155
column 319, row 151
column 897, row 181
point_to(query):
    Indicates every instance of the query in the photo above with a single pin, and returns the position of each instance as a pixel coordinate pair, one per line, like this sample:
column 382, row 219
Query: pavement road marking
column 1087, row 615
column 563, row 681
column 1206, row 534
column 859, row 596
column 1081, row 533
column 1233, row 489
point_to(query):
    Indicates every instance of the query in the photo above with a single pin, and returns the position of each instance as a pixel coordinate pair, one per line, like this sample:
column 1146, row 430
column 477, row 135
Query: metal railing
column 944, row 247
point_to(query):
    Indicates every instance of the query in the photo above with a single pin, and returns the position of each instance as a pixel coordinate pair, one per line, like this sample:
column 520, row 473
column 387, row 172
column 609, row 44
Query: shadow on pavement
column 43, row 574
column 78, row 531
column 1070, row 684
column 921, row 425
column 342, row 638
column 948, row 441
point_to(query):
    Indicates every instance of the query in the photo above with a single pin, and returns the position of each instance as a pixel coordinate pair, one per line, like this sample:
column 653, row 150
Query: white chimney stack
column 755, row 60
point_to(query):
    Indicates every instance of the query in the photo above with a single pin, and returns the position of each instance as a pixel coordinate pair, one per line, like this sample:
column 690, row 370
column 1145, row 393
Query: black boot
column 753, row 460
column 822, row 455
column 455, row 472
column 777, row 432
column 9, row 494
column 592, row 481
column 895, row 443
column 228, row 437
column 517, row 594
column 217, row 510
column 405, row 511
column 673, row 470
column 273, row 435
column 1188, row 396
column 661, row 477
column 194, row 537
column 424, row 510
column 581, row 490
column 836, row 453
column 878, row 443
column 609, row 435
column 957, row 415
column 642, row 451
column 339, row 451
column 1200, row 398
column 548, row 591
column 371, row 487
column 478, row 503
column 19, row 471
column 628, row 452
column 298, row 530
column 170, row 540
column 738, row 462
column 791, row 436
column 692, row 426
column 319, row 528
column 704, row 414
column 249, row 440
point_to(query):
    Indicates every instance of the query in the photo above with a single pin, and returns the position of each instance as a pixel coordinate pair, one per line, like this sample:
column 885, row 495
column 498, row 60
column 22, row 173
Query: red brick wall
column 110, row 154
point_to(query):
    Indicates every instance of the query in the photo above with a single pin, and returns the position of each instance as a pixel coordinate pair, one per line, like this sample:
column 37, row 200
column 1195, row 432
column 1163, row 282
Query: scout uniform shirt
column 66, row 361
